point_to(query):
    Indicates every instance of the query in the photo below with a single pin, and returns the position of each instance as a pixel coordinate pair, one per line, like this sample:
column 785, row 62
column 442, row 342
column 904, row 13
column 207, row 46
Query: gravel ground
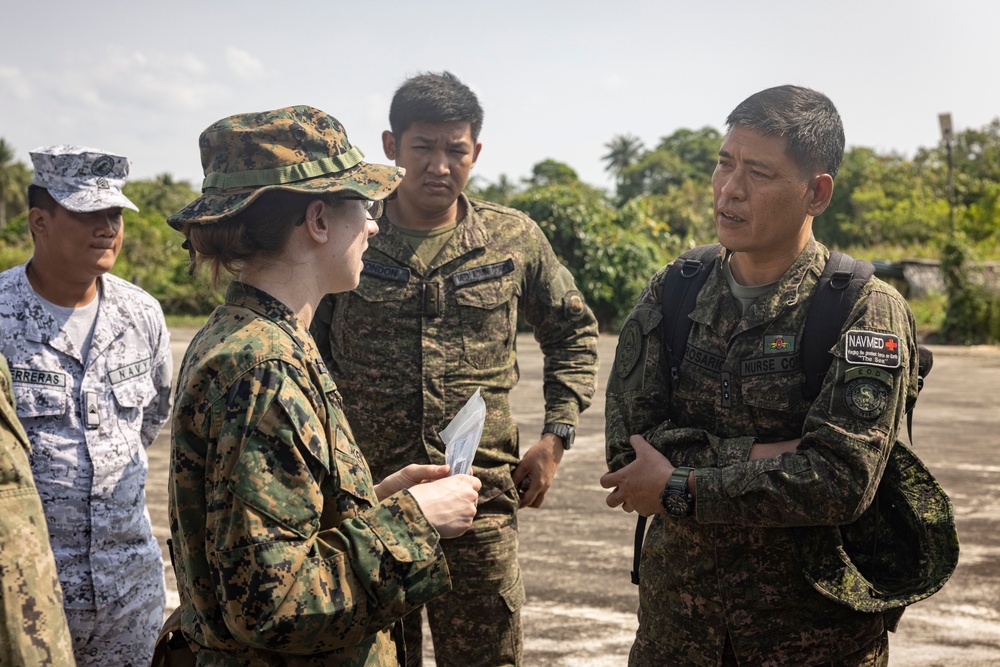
column 576, row 552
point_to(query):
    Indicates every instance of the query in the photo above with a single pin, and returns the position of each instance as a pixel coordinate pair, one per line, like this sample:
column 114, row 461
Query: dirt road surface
column 576, row 552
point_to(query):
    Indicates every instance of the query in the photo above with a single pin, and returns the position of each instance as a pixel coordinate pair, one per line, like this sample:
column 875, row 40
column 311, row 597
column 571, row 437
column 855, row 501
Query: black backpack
column 839, row 288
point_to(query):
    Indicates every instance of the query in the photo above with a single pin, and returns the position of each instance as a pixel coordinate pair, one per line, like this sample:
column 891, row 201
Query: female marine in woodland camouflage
column 286, row 552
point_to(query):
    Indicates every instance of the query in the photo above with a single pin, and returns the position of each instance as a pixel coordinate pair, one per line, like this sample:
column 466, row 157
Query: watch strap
column 566, row 432
column 679, row 479
column 675, row 498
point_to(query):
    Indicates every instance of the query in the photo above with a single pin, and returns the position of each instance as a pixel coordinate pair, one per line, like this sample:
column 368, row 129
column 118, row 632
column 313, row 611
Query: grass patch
column 186, row 321
column 929, row 311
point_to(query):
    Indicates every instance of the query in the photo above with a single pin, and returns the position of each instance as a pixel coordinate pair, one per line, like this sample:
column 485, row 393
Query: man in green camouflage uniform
column 433, row 319
column 33, row 628
column 285, row 551
column 763, row 476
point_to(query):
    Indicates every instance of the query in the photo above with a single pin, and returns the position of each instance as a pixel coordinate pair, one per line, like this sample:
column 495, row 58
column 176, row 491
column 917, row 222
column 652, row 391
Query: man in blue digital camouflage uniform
column 89, row 356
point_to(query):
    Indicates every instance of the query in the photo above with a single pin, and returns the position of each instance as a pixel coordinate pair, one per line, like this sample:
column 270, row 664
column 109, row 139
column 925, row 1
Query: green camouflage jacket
column 412, row 343
column 283, row 554
column 738, row 565
column 33, row 627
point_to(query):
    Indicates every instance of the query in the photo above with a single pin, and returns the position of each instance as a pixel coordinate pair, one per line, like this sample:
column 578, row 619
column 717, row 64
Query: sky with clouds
column 557, row 79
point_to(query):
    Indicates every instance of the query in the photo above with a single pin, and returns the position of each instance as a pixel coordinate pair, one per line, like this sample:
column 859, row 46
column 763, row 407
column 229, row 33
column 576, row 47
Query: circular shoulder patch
column 102, row 166
column 629, row 345
column 866, row 398
column 573, row 305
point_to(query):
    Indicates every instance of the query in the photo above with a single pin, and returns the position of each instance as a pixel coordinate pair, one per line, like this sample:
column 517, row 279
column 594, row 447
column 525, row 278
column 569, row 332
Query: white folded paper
column 461, row 436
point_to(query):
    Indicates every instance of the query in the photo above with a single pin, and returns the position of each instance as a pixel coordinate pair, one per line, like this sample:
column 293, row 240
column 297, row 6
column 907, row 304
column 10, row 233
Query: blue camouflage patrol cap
column 300, row 148
column 82, row 179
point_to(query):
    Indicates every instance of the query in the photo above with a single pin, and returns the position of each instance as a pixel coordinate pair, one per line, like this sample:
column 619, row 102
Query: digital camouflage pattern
column 412, row 343
column 283, row 553
column 299, row 148
column 738, row 565
column 485, row 601
column 92, row 479
column 82, row 179
column 33, row 627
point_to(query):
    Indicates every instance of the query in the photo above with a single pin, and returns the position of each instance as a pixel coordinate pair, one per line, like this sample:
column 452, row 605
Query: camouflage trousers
column 121, row 634
column 478, row 623
column 876, row 654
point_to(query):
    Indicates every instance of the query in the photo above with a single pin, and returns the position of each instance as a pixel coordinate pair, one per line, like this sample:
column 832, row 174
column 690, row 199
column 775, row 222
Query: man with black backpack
column 775, row 538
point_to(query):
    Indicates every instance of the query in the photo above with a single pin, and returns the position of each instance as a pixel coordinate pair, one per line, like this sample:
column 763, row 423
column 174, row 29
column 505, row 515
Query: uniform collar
column 112, row 320
column 797, row 282
column 471, row 234
column 247, row 296
column 792, row 286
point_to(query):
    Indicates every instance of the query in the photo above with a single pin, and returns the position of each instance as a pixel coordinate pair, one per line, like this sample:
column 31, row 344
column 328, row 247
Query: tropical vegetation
column 885, row 206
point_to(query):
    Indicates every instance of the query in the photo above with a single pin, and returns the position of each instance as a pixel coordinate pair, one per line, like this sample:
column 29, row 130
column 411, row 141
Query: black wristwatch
column 564, row 431
column 675, row 497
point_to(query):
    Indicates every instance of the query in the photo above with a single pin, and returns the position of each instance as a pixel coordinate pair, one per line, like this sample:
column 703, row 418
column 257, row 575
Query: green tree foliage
column 623, row 151
column 884, row 206
column 14, row 180
column 976, row 169
column 500, row 192
column 882, row 199
column 684, row 211
column 698, row 149
column 981, row 218
column 685, row 155
column 152, row 256
column 612, row 252
column 15, row 242
column 551, row 172
column 973, row 312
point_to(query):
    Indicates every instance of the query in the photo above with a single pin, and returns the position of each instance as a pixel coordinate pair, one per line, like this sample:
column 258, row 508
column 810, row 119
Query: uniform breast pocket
column 46, row 409
column 40, row 402
column 130, row 399
column 372, row 308
column 355, row 490
column 487, row 312
column 696, row 395
column 775, row 400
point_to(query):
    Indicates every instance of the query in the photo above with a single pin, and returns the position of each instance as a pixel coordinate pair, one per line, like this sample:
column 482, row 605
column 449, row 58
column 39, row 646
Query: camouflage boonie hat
column 81, row 179
column 902, row 549
column 298, row 148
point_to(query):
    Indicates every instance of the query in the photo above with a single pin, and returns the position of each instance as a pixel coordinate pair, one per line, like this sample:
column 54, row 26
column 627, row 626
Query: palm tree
column 623, row 151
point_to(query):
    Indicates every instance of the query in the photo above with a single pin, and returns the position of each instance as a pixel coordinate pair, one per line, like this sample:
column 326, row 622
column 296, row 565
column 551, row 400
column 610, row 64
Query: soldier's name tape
column 31, row 376
column 706, row 360
column 130, row 371
column 481, row 273
column 59, row 379
column 460, row 279
column 394, row 273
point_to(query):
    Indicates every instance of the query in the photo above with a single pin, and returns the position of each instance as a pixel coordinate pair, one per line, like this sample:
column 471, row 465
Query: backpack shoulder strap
column 925, row 359
column 678, row 296
column 838, row 291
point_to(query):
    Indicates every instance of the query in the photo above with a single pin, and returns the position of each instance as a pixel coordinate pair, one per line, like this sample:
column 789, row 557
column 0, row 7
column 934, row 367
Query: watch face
column 677, row 504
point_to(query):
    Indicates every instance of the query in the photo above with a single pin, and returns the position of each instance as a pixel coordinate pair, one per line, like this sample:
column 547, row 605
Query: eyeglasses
column 374, row 207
